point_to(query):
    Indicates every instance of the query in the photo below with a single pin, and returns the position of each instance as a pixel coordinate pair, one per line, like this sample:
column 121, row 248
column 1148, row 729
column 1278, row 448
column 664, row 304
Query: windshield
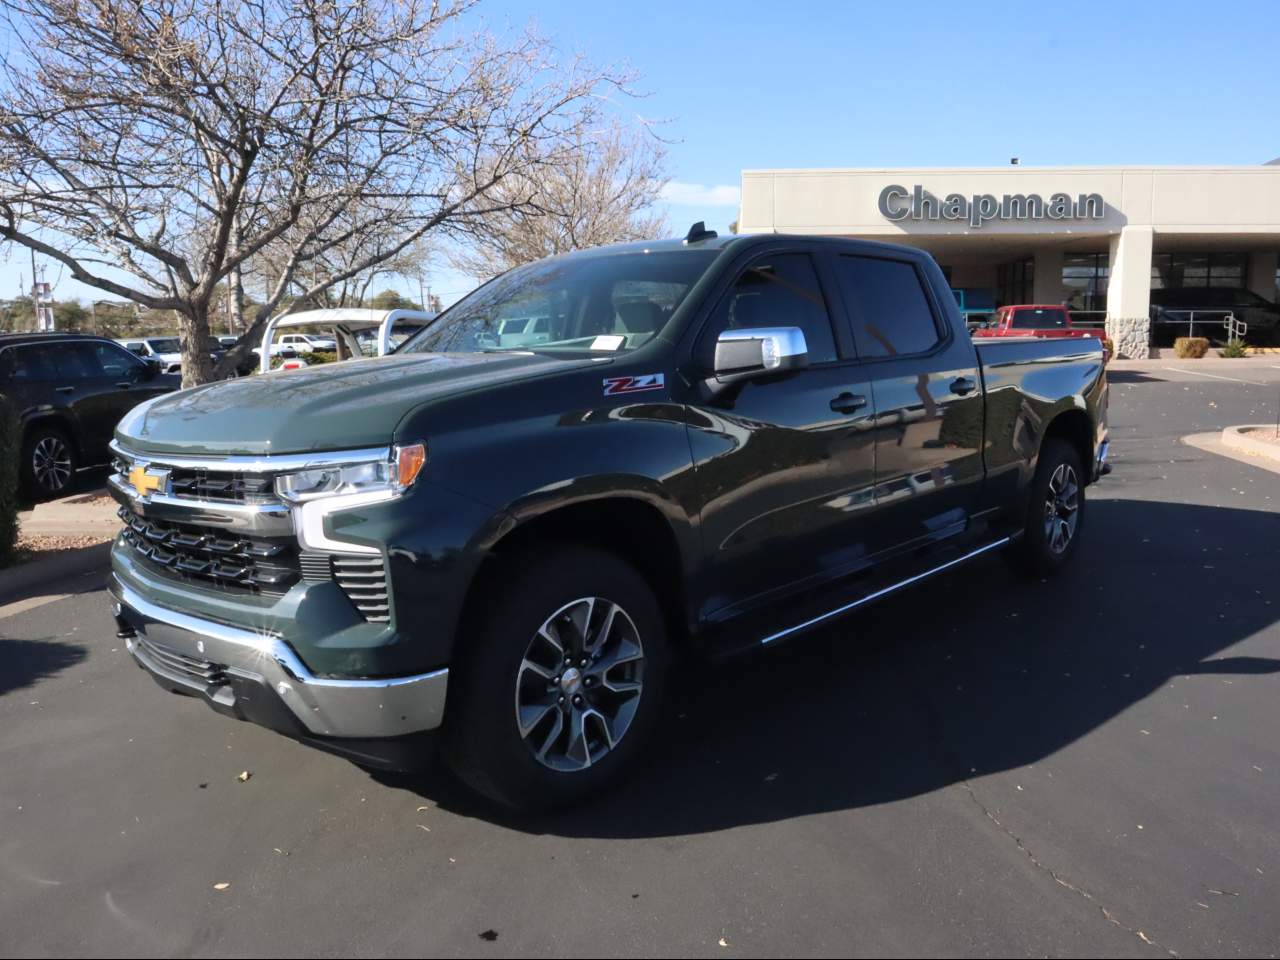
column 165, row 345
column 609, row 302
column 1039, row 319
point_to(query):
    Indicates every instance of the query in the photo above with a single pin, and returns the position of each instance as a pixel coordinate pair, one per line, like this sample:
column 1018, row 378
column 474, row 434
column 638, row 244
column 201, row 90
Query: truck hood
column 335, row 406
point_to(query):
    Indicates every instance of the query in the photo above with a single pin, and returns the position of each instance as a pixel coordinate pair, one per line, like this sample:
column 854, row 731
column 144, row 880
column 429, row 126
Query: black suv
column 68, row 392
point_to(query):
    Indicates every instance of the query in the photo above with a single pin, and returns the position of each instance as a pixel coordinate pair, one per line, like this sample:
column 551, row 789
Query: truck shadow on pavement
column 23, row 663
column 966, row 675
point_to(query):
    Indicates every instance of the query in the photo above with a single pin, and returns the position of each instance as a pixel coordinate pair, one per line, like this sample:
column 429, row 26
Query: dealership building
column 1099, row 239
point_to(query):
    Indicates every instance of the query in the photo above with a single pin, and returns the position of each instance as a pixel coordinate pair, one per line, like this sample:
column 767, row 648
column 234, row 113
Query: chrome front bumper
column 242, row 672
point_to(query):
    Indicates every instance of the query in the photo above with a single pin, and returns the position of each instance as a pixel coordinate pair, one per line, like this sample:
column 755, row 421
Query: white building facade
column 1096, row 238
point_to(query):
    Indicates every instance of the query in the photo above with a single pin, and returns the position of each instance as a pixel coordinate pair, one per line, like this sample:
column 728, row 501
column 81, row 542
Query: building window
column 1085, row 277
column 1015, row 282
column 1181, row 270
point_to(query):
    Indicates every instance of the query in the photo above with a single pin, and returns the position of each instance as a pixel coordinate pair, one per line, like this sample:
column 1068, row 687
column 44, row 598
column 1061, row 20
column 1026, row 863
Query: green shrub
column 1234, row 349
column 10, row 453
column 1190, row 348
column 319, row 356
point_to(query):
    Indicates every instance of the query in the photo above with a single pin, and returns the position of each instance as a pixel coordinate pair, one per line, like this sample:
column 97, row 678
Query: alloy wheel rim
column 51, row 463
column 1061, row 508
column 579, row 684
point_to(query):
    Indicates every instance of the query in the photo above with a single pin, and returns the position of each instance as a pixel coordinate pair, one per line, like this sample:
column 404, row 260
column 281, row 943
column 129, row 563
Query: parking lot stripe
column 1198, row 373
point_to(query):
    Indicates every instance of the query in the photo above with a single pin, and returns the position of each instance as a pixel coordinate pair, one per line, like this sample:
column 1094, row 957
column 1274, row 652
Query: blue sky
column 754, row 84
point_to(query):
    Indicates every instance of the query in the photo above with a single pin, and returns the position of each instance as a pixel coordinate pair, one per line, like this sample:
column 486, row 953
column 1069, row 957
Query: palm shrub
column 1234, row 349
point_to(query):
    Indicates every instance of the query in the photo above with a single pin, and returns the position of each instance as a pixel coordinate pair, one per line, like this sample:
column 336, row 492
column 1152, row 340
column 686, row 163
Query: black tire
column 1042, row 550
column 49, row 462
column 483, row 741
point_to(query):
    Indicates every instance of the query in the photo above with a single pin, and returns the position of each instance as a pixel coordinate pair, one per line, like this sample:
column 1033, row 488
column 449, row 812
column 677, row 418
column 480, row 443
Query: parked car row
column 70, row 390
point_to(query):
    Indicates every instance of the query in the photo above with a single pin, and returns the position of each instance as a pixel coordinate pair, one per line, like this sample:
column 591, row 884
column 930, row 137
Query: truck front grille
column 224, row 486
column 213, row 556
column 260, row 557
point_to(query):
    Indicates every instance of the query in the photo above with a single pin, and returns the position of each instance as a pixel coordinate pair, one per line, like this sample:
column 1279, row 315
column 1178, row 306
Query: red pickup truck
column 1032, row 320
column 1036, row 320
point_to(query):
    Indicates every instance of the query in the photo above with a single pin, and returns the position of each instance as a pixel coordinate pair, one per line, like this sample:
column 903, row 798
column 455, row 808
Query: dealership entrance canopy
column 1099, row 239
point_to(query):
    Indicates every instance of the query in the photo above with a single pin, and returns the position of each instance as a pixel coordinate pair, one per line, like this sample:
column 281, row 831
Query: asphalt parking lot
column 981, row 766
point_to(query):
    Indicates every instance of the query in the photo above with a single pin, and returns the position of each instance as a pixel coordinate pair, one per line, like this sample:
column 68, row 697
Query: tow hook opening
column 124, row 629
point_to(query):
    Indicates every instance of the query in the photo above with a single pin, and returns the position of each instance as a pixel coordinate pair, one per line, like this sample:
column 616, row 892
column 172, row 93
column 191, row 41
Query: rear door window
column 891, row 312
column 35, row 362
column 78, row 361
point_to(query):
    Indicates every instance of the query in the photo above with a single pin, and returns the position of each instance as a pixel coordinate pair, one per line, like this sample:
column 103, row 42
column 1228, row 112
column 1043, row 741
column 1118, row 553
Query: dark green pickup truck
column 704, row 446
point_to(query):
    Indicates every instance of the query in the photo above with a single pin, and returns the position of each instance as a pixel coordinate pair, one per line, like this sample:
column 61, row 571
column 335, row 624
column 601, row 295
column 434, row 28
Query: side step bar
column 883, row 591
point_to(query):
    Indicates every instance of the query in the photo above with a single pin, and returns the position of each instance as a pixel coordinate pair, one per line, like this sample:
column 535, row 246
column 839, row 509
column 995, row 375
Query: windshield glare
column 609, row 303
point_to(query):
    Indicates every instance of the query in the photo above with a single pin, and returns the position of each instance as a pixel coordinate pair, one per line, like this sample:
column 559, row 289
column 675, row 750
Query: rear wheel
column 48, row 462
column 1055, row 513
column 561, row 686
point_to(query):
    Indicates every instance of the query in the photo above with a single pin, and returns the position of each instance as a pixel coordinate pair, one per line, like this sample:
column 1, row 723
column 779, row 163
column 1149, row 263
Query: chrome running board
column 886, row 590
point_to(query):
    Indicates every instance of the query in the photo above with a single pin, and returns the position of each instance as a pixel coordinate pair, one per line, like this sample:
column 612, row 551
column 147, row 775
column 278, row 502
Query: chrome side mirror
column 754, row 352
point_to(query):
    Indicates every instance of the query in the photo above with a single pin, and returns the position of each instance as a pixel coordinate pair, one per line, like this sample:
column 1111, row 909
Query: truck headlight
column 392, row 476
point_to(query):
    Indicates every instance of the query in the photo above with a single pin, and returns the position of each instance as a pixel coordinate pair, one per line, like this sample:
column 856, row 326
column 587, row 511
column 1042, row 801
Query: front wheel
column 560, row 688
column 48, row 462
column 1055, row 513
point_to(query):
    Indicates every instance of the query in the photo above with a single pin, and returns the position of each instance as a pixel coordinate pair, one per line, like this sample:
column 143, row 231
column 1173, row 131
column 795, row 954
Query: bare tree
column 604, row 194
column 158, row 148
column 363, row 250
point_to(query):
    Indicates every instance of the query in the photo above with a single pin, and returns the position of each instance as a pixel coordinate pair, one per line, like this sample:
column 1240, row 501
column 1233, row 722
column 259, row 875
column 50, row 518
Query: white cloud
column 701, row 195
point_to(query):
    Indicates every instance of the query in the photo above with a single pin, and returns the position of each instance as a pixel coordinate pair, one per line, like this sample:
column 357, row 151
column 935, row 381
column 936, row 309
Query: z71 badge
column 613, row 386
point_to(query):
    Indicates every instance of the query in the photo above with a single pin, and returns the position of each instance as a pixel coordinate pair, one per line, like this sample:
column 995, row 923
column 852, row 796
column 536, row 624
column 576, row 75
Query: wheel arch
column 630, row 525
column 1076, row 428
column 57, row 419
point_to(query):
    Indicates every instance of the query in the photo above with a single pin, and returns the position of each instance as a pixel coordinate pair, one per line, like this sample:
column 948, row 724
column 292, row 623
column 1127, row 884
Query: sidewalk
column 63, row 543
column 1212, row 363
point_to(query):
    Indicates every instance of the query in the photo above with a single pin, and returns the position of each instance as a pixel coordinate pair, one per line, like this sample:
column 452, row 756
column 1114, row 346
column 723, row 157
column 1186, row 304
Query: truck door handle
column 962, row 385
column 848, row 403
column 64, row 389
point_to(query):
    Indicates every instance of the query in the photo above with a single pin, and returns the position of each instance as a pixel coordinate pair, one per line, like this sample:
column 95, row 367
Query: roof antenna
column 698, row 232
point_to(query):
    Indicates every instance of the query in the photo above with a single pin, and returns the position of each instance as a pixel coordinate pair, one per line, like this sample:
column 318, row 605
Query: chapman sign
column 898, row 203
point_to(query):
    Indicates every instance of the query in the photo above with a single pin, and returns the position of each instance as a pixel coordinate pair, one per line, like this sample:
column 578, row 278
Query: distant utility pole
column 41, row 298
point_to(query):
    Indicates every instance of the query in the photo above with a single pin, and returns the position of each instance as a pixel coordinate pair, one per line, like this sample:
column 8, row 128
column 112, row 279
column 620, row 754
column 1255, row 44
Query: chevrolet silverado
column 722, row 443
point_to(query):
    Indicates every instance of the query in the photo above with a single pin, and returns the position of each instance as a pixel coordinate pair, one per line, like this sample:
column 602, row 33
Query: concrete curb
column 51, row 574
column 1236, row 439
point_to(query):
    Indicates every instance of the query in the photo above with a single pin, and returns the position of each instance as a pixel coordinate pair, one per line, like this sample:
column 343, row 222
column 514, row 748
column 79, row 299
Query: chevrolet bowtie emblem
column 145, row 481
